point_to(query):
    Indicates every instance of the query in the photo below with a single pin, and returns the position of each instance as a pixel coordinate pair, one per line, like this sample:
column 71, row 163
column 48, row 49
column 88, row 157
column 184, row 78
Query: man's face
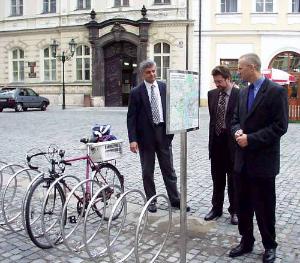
column 149, row 74
column 221, row 83
column 246, row 70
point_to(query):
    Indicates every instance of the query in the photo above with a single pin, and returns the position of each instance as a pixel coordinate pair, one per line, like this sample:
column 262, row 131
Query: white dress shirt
column 158, row 98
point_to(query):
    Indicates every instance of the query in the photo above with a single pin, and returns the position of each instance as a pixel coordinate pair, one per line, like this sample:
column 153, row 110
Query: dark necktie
column 154, row 106
column 220, row 112
column 250, row 96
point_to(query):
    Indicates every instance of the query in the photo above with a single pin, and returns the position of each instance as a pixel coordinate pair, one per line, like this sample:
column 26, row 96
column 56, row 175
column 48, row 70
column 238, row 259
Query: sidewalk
column 207, row 241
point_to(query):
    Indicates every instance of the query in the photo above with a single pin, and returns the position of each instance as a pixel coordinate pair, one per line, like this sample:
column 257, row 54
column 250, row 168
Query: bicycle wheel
column 52, row 212
column 108, row 174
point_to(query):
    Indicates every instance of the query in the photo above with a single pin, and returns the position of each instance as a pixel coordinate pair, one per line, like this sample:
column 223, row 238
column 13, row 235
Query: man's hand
column 242, row 140
column 134, row 147
column 238, row 133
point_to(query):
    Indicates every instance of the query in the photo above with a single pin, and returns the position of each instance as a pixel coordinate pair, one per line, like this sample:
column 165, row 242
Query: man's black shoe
column 177, row 206
column 152, row 208
column 240, row 250
column 234, row 219
column 212, row 215
column 269, row 255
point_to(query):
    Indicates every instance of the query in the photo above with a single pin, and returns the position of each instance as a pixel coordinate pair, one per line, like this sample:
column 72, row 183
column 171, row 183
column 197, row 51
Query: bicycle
column 104, row 173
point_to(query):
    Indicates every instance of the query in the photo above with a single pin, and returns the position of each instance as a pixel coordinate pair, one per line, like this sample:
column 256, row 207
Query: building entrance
column 120, row 60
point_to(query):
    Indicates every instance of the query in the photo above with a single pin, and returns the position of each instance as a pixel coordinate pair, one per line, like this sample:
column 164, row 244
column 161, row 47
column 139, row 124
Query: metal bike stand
column 26, row 195
column 86, row 240
column 144, row 214
column 44, row 230
column 6, row 166
column 1, row 177
column 7, row 222
column 75, row 250
column 108, row 242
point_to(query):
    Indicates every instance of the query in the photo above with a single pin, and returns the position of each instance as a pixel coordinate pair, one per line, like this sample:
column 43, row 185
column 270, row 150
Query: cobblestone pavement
column 207, row 241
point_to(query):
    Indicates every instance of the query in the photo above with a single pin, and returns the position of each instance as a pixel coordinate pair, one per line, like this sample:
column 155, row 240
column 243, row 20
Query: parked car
column 21, row 99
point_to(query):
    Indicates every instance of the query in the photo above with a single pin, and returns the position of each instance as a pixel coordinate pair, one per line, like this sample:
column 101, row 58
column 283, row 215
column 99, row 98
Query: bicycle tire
column 33, row 206
column 106, row 173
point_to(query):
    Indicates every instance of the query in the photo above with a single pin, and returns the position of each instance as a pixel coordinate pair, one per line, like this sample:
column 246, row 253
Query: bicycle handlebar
column 29, row 157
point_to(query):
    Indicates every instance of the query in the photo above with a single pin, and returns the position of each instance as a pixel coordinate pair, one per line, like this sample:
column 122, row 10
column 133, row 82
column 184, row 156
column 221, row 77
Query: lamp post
column 65, row 56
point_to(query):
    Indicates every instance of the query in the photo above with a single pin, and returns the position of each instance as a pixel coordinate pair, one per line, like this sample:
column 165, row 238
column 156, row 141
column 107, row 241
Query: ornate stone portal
column 115, row 57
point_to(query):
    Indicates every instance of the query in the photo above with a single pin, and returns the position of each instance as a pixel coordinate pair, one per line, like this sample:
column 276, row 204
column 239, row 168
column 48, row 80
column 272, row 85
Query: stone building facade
column 112, row 37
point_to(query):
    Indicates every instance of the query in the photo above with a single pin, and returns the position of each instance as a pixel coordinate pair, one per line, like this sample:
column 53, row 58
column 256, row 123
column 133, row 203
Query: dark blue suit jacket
column 264, row 124
column 139, row 117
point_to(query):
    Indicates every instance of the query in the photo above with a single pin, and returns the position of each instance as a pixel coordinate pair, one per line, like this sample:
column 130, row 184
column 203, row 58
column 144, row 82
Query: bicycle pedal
column 72, row 219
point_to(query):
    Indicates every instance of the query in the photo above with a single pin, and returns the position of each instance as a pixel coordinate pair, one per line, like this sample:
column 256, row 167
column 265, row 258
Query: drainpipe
column 187, row 35
column 199, row 67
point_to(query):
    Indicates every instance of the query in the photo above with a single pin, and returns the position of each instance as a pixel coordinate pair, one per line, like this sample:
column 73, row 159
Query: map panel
column 182, row 101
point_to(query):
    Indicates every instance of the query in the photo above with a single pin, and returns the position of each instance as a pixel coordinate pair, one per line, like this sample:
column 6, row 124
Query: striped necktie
column 220, row 113
column 154, row 106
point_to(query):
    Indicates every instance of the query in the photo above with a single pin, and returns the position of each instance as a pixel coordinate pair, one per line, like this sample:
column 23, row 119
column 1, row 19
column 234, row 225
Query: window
column 296, row 6
column 16, row 7
column 121, row 3
column 287, row 61
column 49, row 6
column 228, row 6
column 232, row 64
column 161, row 2
column 18, row 65
column 49, row 65
column 84, row 4
column 264, row 6
column 83, row 62
column 162, row 59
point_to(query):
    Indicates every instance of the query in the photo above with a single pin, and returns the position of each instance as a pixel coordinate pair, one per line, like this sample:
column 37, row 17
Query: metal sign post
column 182, row 117
column 183, row 196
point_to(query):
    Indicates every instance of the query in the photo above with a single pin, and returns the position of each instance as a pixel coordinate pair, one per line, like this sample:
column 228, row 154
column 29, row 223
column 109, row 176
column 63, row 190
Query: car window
column 31, row 92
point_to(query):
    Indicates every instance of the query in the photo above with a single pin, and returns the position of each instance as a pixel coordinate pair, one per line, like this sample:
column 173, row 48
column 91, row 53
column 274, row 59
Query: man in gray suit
column 260, row 119
column 146, row 124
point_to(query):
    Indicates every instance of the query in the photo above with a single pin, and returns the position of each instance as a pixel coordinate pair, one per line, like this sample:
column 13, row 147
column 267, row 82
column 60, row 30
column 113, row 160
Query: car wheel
column 44, row 106
column 19, row 107
column 24, row 109
column 1, row 109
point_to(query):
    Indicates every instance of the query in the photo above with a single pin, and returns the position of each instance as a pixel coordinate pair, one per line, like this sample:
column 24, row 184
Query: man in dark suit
column 146, row 126
column 221, row 104
column 260, row 119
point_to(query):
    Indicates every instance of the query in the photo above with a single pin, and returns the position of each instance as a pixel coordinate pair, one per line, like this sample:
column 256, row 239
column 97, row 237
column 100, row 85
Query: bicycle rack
column 95, row 254
column 95, row 239
column 12, row 196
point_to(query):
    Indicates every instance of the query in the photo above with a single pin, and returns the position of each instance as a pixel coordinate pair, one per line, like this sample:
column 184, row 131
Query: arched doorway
column 289, row 61
column 120, row 62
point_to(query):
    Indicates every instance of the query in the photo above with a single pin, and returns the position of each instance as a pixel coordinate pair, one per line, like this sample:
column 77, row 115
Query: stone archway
column 107, row 61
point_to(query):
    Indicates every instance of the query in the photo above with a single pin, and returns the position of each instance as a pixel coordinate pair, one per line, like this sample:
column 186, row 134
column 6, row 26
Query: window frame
column 83, row 57
column 52, row 71
column 230, row 11
column 86, row 4
column 20, row 63
column 162, row 2
column 121, row 4
column 294, row 4
column 47, row 6
column 19, row 8
column 161, row 72
column 264, row 3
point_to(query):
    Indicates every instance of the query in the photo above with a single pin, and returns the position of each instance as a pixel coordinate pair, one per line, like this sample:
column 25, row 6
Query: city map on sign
column 182, row 101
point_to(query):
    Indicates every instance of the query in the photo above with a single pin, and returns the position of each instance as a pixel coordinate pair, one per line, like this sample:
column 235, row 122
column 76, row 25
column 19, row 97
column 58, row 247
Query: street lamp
column 65, row 56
